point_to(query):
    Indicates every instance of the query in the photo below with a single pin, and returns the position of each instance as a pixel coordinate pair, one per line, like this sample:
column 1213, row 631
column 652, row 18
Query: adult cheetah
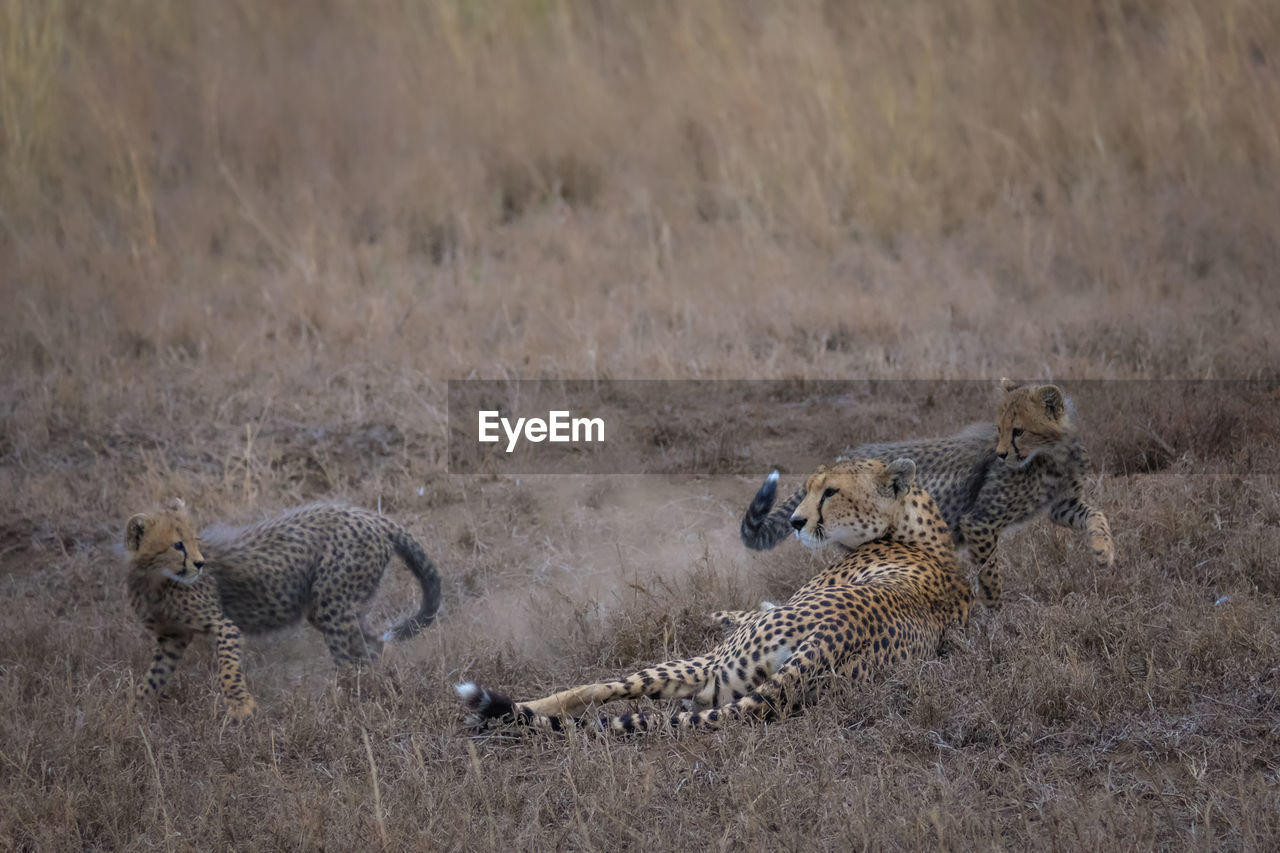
column 321, row 561
column 889, row 600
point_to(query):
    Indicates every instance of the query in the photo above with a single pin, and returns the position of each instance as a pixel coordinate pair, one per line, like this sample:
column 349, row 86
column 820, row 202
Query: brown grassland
column 244, row 245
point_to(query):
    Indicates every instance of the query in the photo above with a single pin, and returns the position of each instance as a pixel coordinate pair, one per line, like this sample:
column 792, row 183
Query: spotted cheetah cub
column 321, row 561
column 986, row 479
column 889, row 600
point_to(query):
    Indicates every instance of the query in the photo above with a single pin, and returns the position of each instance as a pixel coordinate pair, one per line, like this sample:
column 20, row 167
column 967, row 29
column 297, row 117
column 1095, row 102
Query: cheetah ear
column 1054, row 404
column 176, row 504
column 1007, row 385
column 134, row 531
column 898, row 478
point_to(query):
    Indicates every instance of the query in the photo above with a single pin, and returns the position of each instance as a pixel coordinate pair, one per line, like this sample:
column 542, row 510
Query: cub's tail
column 424, row 570
column 765, row 525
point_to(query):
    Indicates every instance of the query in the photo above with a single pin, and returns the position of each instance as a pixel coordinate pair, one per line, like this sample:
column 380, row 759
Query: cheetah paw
column 242, row 710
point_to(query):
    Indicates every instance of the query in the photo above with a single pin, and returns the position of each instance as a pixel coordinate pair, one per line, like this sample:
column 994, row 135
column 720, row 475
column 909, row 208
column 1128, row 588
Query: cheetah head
column 1032, row 419
column 852, row 502
column 166, row 542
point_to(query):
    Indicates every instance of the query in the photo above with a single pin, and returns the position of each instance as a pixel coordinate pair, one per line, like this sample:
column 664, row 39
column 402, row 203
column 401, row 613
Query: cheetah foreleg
column 240, row 703
column 169, row 651
column 1078, row 515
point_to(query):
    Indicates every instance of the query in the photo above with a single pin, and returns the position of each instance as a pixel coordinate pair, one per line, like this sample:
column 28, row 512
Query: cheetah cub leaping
column 321, row 562
column 986, row 479
column 890, row 600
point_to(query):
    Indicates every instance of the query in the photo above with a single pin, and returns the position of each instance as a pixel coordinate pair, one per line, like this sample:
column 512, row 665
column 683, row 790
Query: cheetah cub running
column 890, row 600
column 321, row 561
column 986, row 479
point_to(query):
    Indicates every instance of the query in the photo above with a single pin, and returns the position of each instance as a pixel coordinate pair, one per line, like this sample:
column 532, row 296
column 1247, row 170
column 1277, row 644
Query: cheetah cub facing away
column 320, row 561
column 889, row 600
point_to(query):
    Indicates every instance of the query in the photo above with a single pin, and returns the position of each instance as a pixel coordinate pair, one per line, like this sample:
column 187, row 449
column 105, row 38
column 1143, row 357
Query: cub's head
column 1032, row 419
column 853, row 502
column 165, row 542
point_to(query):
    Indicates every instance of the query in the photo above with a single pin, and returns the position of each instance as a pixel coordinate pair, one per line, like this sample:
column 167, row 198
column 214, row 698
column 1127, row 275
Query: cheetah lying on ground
column 321, row 562
column 987, row 478
column 890, row 600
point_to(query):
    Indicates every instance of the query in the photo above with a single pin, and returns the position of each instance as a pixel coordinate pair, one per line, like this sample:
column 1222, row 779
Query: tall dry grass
column 243, row 244
column 176, row 171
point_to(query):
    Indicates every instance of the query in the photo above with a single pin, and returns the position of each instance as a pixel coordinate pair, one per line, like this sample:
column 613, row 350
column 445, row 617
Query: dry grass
column 243, row 245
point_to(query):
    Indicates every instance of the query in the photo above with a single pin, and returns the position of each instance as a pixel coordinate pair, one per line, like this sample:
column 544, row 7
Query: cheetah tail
column 765, row 525
column 425, row 571
column 482, row 705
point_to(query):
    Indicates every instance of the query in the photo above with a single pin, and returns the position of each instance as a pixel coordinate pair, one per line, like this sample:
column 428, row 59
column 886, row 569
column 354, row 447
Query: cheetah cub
column 320, row 561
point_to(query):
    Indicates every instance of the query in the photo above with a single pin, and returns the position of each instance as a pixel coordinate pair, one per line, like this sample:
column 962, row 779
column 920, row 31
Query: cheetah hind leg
column 169, row 651
column 980, row 543
column 677, row 679
column 348, row 637
column 797, row 682
column 371, row 641
column 989, row 584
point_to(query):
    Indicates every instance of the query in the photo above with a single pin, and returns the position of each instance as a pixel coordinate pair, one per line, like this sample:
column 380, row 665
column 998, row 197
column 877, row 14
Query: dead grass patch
column 243, row 245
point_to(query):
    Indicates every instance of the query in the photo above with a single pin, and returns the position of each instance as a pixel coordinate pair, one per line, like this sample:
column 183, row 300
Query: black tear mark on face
column 826, row 493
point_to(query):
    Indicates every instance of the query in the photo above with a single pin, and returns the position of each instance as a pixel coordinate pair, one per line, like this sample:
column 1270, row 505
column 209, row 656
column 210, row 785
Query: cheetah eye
column 178, row 546
column 1017, row 432
column 829, row 491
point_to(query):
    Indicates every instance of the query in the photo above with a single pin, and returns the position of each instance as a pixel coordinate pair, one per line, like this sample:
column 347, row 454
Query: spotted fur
column 321, row 562
column 889, row 600
column 1037, row 442
column 984, row 479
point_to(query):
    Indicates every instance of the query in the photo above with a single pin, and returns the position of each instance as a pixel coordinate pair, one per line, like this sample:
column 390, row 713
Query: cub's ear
column 134, row 531
column 1007, row 385
column 1054, row 403
column 898, row 478
column 176, row 504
